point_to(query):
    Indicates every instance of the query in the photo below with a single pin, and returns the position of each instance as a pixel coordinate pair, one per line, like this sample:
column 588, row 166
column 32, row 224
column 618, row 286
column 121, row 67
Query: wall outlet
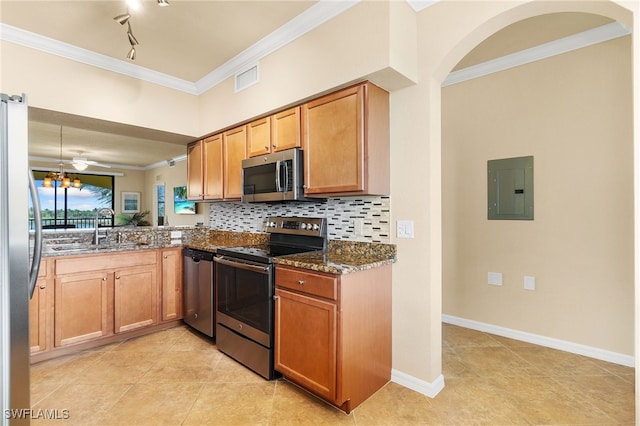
column 529, row 283
column 176, row 234
column 494, row 278
column 404, row 229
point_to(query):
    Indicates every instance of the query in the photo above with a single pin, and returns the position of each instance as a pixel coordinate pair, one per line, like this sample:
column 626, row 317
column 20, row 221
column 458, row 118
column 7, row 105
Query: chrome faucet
column 101, row 212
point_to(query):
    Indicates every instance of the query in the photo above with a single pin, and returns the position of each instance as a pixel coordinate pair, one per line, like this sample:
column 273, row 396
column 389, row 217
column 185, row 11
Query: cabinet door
column 194, row 171
column 334, row 142
column 213, row 168
column 135, row 298
column 305, row 342
column 171, row 284
column 285, row 129
column 259, row 137
column 235, row 150
column 82, row 307
column 38, row 317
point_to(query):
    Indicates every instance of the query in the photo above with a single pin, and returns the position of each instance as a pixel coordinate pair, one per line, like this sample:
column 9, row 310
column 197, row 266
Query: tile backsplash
column 348, row 218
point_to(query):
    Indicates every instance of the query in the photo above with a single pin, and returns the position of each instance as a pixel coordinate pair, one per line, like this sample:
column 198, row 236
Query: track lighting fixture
column 132, row 54
column 124, row 19
column 132, row 40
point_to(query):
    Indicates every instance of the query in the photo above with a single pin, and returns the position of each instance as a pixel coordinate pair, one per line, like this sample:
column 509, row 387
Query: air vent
column 172, row 163
column 247, row 78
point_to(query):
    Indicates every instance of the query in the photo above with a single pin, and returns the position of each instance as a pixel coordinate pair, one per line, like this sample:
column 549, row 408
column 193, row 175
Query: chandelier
column 65, row 180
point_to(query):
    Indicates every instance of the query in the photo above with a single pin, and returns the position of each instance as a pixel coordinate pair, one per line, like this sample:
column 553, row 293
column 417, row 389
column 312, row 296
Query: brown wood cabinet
column 235, row 150
column 39, row 308
column 135, row 298
column 259, row 137
column 333, row 332
column 171, row 284
column 83, row 306
column 274, row 133
column 205, row 169
column 346, row 142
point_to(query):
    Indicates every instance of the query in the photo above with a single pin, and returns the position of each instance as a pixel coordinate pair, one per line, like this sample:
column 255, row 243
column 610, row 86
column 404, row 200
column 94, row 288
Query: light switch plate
column 494, row 278
column 176, row 234
column 405, row 229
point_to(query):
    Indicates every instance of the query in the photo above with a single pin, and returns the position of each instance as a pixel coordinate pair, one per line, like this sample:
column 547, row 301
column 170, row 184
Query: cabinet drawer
column 90, row 263
column 314, row 283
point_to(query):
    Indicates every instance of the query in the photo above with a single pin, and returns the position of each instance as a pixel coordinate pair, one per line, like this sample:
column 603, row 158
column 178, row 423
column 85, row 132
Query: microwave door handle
column 278, row 164
column 286, row 177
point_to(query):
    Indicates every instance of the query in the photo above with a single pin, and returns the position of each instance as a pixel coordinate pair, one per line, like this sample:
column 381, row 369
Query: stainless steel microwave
column 273, row 177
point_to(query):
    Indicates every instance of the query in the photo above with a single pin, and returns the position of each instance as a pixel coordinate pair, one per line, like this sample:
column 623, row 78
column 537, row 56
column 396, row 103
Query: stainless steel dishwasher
column 199, row 291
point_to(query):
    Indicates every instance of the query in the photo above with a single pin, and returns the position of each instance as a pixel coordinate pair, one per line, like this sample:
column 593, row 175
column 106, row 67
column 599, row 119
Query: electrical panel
column 510, row 188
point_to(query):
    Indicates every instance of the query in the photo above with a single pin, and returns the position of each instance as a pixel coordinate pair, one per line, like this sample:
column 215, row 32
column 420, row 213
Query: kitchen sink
column 87, row 247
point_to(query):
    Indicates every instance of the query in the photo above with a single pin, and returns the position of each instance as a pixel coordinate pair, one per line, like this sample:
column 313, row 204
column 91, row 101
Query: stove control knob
column 316, row 227
column 303, row 226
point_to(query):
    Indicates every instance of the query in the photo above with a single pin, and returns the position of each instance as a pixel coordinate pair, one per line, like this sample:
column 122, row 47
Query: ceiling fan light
column 79, row 166
column 163, row 3
column 122, row 19
column 76, row 183
column 47, row 183
column 66, row 182
column 132, row 54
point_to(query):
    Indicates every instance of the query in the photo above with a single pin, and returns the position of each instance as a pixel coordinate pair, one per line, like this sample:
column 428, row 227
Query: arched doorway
column 466, row 44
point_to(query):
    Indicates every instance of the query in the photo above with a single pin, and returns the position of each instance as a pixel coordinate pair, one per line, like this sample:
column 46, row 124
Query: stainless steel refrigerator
column 19, row 262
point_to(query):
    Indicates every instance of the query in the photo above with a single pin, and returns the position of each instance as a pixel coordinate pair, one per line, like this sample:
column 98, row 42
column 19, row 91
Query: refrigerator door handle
column 37, row 246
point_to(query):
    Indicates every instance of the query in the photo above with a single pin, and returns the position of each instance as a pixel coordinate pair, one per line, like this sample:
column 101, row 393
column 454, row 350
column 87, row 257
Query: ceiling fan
column 81, row 162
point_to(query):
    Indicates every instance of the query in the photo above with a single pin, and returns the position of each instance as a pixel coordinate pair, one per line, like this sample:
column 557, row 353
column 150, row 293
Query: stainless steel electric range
column 244, row 278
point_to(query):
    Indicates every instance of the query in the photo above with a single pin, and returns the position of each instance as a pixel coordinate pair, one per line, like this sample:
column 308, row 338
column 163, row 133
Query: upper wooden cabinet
column 259, row 137
column 205, row 169
column 274, row 133
column 346, row 143
column 214, row 166
column 235, row 150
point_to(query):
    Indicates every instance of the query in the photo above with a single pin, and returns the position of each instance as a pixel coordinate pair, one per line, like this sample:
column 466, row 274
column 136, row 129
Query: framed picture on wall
column 130, row 202
column 180, row 203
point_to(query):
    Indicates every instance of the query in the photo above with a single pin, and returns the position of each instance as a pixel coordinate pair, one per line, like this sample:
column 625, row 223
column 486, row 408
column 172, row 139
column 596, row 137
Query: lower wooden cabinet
column 85, row 298
column 82, row 307
column 171, row 284
column 135, row 298
column 39, row 309
column 333, row 332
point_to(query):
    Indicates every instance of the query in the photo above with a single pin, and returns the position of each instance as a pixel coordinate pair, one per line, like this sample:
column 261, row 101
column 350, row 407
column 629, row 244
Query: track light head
column 163, row 3
column 132, row 54
column 122, row 19
column 132, row 39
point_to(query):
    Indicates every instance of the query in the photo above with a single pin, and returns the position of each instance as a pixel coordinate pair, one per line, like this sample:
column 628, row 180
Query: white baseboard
column 548, row 342
column 430, row 389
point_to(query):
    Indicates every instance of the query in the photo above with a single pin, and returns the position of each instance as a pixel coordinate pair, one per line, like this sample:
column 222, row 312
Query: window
column 72, row 207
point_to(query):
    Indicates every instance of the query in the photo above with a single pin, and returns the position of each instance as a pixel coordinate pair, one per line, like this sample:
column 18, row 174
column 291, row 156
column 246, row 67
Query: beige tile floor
column 176, row 377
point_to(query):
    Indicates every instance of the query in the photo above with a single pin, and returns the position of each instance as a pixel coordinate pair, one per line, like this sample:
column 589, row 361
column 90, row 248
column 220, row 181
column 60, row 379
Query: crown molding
column 311, row 18
column 78, row 54
column 57, row 162
column 537, row 53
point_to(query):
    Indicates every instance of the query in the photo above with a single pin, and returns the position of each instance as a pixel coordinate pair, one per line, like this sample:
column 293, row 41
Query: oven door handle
column 242, row 265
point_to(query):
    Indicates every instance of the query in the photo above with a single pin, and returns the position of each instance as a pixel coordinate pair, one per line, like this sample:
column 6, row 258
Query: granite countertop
column 343, row 257
column 340, row 257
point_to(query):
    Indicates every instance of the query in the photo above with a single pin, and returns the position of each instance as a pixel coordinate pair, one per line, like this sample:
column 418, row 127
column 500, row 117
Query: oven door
column 245, row 298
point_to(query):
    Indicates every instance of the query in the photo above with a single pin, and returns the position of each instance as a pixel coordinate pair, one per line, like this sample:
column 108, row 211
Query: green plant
column 134, row 219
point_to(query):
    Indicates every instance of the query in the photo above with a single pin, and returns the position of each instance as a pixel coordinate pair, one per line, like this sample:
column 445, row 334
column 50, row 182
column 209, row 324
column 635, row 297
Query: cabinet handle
column 104, row 278
column 43, row 286
column 266, row 148
column 274, row 145
column 165, row 256
column 117, row 278
column 301, row 282
column 276, row 297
